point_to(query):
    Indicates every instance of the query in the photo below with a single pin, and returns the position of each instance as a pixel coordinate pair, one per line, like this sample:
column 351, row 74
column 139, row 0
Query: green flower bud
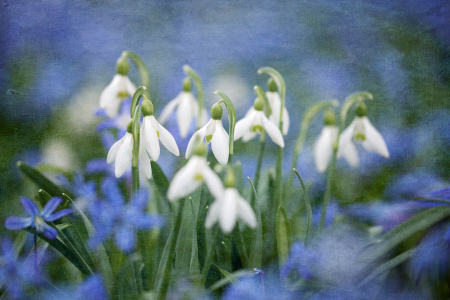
column 258, row 104
column 216, row 111
column 361, row 110
column 187, row 84
column 147, row 107
column 230, row 180
column 123, row 66
column 130, row 126
column 329, row 118
column 272, row 85
column 200, row 149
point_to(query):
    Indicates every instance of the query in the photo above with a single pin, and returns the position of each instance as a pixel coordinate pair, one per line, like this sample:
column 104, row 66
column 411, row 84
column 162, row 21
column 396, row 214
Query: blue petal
column 146, row 221
column 49, row 232
column 50, row 207
column 125, row 239
column 58, row 215
column 98, row 166
column 107, row 124
column 92, row 288
column 112, row 192
column 29, row 206
column 140, row 199
column 15, row 223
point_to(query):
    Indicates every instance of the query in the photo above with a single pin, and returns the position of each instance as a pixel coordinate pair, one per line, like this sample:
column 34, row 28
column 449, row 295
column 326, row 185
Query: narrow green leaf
column 40, row 180
column 19, row 241
column 257, row 242
column 283, row 236
column 399, row 259
column 405, row 230
column 309, row 216
column 161, row 181
column 230, row 278
column 240, row 246
column 239, row 176
column 185, row 245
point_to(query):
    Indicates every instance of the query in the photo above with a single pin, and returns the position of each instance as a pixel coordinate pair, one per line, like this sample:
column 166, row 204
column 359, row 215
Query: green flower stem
column 349, row 102
column 307, row 118
column 279, row 166
column 135, row 159
column 199, row 87
column 309, row 222
column 162, row 290
column 142, row 68
column 231, row 120
column 262, row 146
column 135, row 100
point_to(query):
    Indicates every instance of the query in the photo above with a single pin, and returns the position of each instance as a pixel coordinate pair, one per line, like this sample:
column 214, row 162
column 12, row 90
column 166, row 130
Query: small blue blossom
column 17, row 277
column 115, row 217
column 91, row 289
column 85, row 192
column 37, row 219
column 118, row 122
column 299, row 260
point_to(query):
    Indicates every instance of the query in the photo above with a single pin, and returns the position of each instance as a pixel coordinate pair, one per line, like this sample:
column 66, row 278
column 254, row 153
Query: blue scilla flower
column 91, row 289
column 38, row 218
column 299, row 261
column 118, row 122
column 85, row 191
column 113, row 216
column 17, row 277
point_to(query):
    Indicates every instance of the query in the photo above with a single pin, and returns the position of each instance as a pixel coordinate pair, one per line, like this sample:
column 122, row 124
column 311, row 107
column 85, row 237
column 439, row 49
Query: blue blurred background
column 58, row 55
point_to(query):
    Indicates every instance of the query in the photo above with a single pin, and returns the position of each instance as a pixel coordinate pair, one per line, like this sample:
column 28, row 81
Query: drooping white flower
column 187, row 109
column 214, row 133
column 255, row 121
column 120, row 88
column 275, row 104
column 227, row 208
column 122, row 153
column 360, row 130
column 323, row 148
column 191, row 176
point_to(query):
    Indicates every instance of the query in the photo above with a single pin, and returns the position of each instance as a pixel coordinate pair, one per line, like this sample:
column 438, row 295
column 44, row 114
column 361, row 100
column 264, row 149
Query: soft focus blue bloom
column 333, row 211
column 16, row 277
column 115, row 217
column 299, row 260
column 85, row 192
column 37, row 219
column 118, row 122
column 91, row 289
column 414, row 184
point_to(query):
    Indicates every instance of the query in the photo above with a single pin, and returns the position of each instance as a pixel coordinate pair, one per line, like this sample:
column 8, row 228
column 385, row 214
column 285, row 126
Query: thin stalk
column 162, row 290
column 199, row 88
column 262, row 146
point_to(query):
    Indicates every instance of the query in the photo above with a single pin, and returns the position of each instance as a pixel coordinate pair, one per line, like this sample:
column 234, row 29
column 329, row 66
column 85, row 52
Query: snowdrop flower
column 37, row 219
column 255, row 121
column 150, row 134
column 187, row 109
column 323, row 148
column 215, row 134
column 275, row 104
column 122, row 152
column 361, row 130
column 228, row 207
column 191, row 176
column 120, row 88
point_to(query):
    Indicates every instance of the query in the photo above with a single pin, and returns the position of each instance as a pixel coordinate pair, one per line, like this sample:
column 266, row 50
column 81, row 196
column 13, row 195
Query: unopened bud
column 216, row 111
column 122, row 66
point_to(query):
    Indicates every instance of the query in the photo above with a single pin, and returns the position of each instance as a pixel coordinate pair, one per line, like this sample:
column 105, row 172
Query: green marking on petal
column 198, row 177
column 122, row 95
column 257, row 128
column 360, row 137
column 208, row 138
column 157, row 132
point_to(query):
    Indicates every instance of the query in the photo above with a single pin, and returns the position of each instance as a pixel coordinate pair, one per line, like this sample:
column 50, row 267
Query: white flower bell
column 228, row 207
column 120, row 88
column 122, row 152
column 275, row 103
column 255, row 121
column 187, row 109
column 361, row 130
column 214, row 133
column 191, row 176
column 323, row 148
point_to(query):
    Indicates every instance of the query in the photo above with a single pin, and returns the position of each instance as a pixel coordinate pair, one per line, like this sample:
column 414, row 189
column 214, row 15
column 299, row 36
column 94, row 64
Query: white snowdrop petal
column 286, row 121
column 346, row 147
column 145, row 160
column 151, row 141
column 211, row 128
column 124, row 155
column 228, row 215
column 323, row 148
column 374, row 141
column 248, row 136
column 242, row 127
column 212, row 181
column 184, row 114
column 213, row 214
column 168, row 109
column 184, row 182
column 274, row 133
column 113, row 151
column 200, row 135
column 246, row 213
column 130, row 87
column 219, row 143
column 168, row 140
